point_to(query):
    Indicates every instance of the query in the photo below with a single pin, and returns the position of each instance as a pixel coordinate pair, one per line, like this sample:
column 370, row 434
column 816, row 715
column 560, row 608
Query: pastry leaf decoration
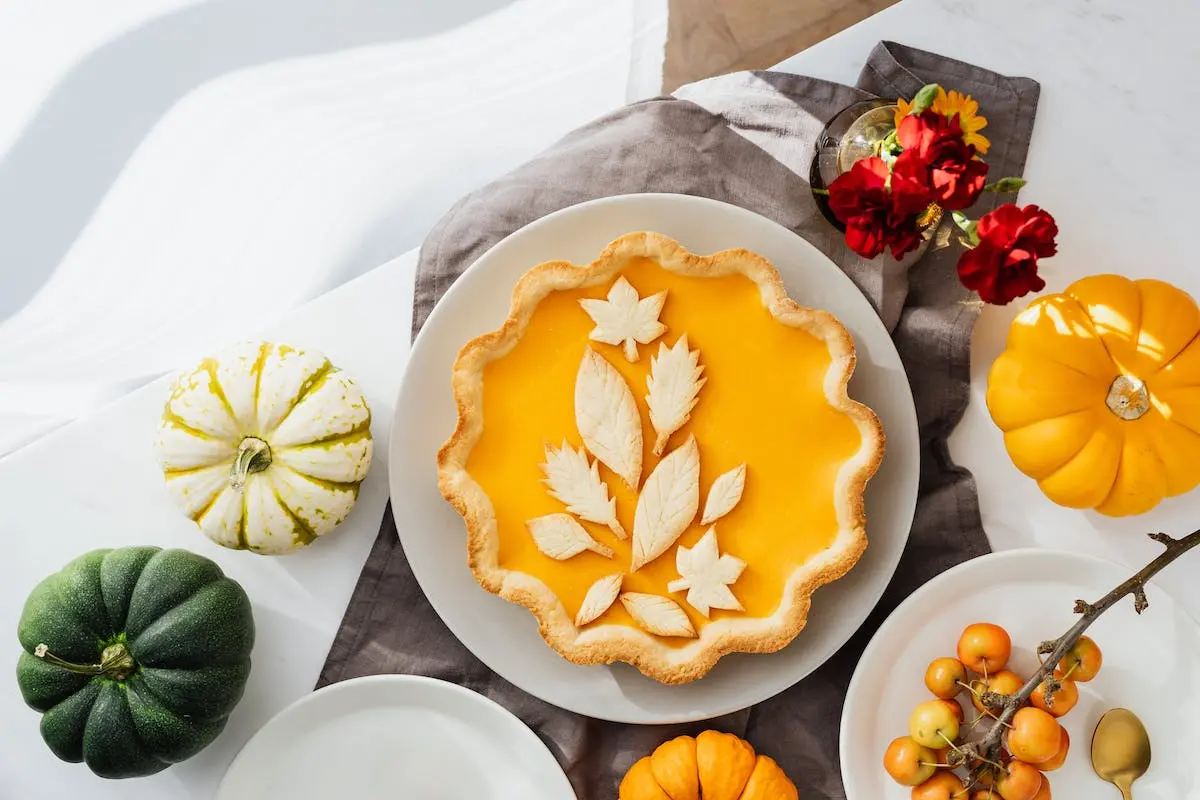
column 599, row 598
column 726, row 492
column 657, row 614
column 609, row 422
column 626, row 319
column 667, row 503
column 561, row 537
column 674, row 385
column 607, row 417
column 575, row 482
column 705, row 575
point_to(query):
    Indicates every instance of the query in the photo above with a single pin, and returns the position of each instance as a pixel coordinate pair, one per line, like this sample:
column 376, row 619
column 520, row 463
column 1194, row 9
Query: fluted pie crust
column 666, row 660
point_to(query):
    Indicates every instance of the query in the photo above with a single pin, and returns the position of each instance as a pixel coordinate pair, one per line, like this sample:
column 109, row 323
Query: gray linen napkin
column 747, row 139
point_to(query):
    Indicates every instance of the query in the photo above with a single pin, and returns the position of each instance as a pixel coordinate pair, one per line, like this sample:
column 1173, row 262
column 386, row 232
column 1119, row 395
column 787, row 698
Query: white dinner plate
column 394, row 736
column 1151, row 665
column 505, row 636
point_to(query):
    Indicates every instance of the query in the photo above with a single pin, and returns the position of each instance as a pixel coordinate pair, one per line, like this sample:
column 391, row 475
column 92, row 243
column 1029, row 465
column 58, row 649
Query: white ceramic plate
column 1151, row 666
column 503, row 635
column 394, row 736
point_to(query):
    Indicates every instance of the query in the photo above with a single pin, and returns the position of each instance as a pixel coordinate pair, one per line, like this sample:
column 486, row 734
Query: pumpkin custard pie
column 657, row 456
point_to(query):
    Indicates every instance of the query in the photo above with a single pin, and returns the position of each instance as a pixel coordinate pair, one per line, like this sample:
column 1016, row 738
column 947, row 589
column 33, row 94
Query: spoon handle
column 1126, row 788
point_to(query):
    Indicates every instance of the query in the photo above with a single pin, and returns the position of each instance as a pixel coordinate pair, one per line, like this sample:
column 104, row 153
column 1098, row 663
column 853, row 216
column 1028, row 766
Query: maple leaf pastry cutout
column 625, row 319
column 706, row 575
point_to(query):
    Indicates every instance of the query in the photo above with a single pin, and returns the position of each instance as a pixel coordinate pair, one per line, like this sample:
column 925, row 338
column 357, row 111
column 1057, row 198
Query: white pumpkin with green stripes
column 264, row 446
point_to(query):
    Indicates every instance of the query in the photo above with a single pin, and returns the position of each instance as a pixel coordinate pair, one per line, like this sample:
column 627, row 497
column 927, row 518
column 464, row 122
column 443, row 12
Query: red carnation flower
column 875, row 216
column 1004, row 265
column 910, row 188
column 954, row 176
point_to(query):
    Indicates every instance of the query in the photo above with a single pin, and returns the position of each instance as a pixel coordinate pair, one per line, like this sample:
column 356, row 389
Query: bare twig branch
column 992, row 699
column 1057, row 649
column 1140, row 603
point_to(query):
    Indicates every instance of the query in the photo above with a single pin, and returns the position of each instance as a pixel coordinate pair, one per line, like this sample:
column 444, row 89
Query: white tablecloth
column 176, row 173
column 95, row 483
column 1100, row 161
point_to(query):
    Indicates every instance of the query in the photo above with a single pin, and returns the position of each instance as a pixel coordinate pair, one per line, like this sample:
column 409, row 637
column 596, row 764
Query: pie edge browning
column 608, row 643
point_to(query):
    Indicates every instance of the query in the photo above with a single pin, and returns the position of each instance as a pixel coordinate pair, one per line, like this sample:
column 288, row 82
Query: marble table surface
column 1116, row 92
column 1117, row 101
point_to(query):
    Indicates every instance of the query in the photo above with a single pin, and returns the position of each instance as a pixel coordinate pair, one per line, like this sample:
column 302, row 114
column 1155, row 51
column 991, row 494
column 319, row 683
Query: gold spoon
column 1121, row 749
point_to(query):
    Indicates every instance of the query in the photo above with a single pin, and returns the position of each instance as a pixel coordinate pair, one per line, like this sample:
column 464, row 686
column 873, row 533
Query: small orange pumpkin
column 714, row 765
column 1098, row 394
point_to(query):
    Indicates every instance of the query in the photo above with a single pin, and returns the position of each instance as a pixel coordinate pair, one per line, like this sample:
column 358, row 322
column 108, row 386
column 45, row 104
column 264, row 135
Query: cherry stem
column 989, row 762
column 949, row 742
column 976, row 775
column 990, row 715
column 989, row 747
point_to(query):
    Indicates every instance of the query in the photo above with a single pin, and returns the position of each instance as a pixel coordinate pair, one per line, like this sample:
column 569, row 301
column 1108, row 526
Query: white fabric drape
column 174, row 174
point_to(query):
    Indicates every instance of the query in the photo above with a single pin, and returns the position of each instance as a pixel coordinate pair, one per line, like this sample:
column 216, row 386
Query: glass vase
column 858, row 132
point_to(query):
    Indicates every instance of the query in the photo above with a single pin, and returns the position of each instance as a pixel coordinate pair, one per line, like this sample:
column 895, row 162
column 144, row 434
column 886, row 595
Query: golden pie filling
column 761, row 404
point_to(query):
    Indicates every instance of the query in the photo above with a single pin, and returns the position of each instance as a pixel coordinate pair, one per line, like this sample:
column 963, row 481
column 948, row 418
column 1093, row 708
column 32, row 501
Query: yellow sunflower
column 951, row 104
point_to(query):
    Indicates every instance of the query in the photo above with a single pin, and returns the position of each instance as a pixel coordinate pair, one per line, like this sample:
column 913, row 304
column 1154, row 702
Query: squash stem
column 1128, row 397
column 254, row 455
column 116, row 662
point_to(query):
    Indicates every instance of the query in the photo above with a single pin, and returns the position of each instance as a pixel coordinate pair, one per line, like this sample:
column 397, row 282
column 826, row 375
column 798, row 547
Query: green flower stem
column 968, row 227
column 888, row 148
column 1005, row 185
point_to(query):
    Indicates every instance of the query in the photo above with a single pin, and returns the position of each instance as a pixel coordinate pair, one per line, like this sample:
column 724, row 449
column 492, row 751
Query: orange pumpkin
column 1098, row 394
column 713, row 766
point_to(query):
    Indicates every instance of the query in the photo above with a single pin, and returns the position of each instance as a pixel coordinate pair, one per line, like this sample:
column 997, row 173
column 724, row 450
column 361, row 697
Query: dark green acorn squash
column 135, row 656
